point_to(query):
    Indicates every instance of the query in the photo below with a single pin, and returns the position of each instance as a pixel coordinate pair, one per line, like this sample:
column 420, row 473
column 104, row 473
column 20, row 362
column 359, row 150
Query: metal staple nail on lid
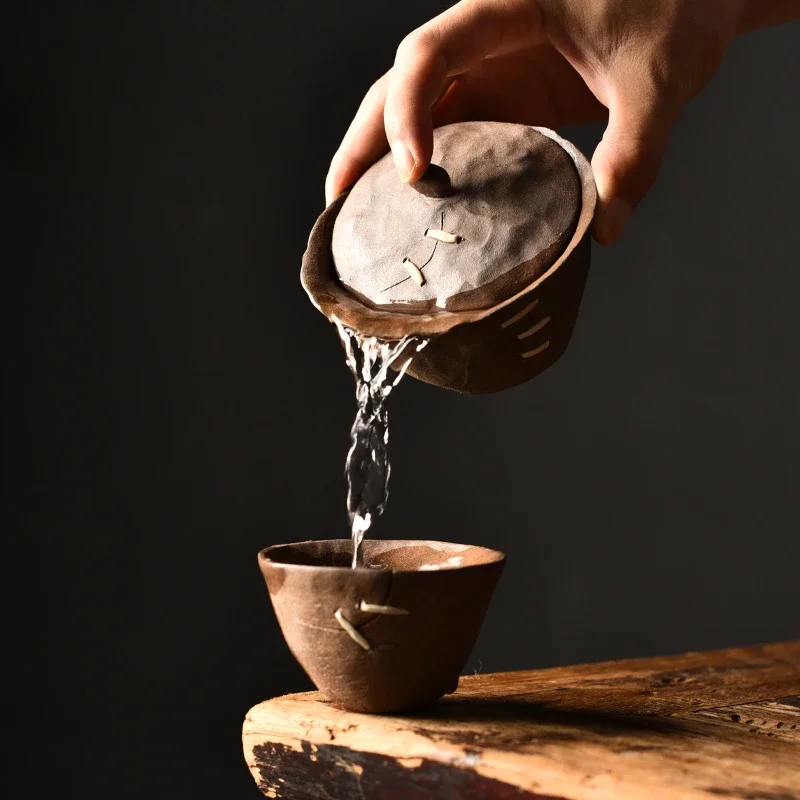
column 443, row 236
column 414, row 271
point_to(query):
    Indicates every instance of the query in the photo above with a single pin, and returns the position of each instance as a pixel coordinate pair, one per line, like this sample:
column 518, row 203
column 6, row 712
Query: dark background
column 173, row 402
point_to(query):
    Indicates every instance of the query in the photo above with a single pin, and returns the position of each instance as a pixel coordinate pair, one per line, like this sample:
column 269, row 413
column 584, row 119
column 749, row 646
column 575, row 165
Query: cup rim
column 493, row 557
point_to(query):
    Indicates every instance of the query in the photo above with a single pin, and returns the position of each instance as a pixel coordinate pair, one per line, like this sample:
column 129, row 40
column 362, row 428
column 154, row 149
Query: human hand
column 550, row 63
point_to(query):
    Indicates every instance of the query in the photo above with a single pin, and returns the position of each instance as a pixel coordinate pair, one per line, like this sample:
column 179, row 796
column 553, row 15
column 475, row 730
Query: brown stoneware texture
column 514, row 202
column 473, row 350
column 408, row 657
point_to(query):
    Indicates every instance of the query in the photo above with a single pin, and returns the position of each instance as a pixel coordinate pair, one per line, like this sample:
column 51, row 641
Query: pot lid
column 497, row 208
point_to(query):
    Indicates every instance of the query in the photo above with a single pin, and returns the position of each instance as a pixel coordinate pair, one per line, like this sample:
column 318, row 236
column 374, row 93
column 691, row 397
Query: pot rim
column 493, row 557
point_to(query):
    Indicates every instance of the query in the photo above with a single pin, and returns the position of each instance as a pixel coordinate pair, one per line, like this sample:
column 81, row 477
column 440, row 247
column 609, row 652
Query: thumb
column 628, row 159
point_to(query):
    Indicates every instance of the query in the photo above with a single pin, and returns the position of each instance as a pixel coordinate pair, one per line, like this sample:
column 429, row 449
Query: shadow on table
column 518, row 725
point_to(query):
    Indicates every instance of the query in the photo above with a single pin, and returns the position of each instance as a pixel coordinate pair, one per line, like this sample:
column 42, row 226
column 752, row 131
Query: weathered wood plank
column 662, row 685
column 779, row 719
column 644, row 728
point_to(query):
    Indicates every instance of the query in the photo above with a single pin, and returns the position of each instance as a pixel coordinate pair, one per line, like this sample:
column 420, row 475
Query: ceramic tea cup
column 389, row 636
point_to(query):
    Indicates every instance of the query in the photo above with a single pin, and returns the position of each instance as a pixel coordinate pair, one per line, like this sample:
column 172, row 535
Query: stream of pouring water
column 367, row 467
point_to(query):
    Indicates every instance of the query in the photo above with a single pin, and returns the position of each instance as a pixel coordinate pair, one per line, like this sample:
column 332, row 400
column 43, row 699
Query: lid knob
column 434, row 183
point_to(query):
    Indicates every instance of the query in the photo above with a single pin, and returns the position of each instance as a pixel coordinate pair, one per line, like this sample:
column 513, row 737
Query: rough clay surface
column 516, row 203
column 412, row 658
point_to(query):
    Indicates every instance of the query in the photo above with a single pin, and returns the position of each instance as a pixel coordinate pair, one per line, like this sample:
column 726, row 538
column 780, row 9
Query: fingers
column 363, row 144
column 628, row 159
column 447, row 46
column 397, row 108
column 537, row 86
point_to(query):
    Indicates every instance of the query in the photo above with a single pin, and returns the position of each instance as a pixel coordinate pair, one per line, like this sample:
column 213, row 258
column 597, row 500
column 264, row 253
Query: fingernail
column 613, row 220
column 403, row 160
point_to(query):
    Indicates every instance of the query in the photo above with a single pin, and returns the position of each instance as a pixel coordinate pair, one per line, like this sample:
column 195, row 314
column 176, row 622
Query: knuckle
column 640, row 169
column 635, row 158
column 414, row 46
column 377, row 89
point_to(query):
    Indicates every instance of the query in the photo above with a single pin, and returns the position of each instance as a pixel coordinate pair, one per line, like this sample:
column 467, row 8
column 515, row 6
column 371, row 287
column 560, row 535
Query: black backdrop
column 173, row 403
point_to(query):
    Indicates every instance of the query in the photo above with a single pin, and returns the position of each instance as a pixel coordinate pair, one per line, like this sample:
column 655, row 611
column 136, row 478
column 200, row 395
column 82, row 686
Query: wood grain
column 700, row 725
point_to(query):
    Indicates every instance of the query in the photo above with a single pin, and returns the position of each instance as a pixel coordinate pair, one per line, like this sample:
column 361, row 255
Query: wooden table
column 721, row 724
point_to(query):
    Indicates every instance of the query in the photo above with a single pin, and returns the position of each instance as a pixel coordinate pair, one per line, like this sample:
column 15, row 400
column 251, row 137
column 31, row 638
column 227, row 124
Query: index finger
column 362, row 145
column 365, row 141
column 442, row 49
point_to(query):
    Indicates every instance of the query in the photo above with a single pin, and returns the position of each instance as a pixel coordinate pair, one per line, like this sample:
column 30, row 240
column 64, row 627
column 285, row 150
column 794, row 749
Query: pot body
column 470, row 351
column 513, row 344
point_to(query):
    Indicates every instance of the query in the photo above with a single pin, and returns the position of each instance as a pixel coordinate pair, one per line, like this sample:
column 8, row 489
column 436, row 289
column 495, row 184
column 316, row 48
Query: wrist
column 762, row 13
